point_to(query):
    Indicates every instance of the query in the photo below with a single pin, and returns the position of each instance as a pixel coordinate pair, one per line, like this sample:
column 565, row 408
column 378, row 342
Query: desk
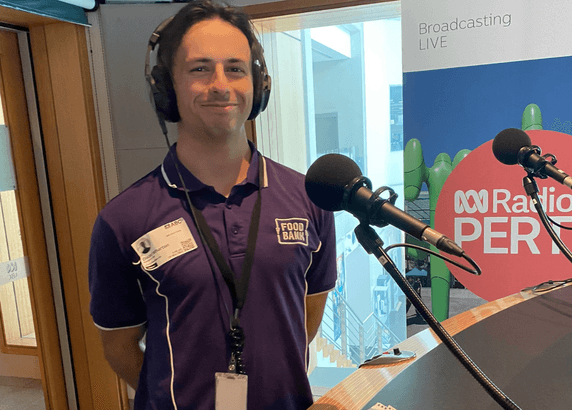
column 522, row 342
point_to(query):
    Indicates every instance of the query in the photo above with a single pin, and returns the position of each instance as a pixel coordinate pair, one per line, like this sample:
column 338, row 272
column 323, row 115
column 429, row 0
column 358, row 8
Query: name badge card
column 230, row 391
column 162, row 244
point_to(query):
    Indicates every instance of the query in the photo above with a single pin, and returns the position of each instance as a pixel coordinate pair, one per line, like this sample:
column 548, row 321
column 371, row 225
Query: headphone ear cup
column 262, row 82
column 256, row 82
column 266, row 86
column 164, row 94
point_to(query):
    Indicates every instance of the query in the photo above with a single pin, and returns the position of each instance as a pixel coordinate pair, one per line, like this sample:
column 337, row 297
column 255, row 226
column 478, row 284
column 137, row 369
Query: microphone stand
column 373, row 244
column 531, row 190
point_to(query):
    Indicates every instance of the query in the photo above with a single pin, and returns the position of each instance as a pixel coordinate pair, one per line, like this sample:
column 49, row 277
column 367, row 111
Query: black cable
column 440, row 278
column 554, row 284
column 476, row 271
column 531, row 190
column 569, row 228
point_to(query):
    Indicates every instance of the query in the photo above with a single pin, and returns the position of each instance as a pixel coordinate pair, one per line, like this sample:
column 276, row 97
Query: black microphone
column 334, row 182
column 512, row 146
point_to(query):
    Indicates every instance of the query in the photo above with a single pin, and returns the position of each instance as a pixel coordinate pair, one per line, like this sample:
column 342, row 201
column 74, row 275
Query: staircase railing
column 358, row 340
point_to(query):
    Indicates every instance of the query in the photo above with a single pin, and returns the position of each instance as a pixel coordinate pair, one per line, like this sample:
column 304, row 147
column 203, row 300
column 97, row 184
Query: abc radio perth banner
column 472, row 69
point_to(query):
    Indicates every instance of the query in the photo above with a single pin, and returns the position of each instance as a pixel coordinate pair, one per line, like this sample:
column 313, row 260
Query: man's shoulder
column 282, row 171
column 287, row 183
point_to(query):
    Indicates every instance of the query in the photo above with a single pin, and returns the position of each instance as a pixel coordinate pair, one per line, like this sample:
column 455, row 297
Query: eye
column 237, row 71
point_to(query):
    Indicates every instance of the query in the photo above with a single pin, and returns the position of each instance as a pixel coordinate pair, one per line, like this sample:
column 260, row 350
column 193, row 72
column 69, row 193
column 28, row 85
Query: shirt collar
column 192, row 183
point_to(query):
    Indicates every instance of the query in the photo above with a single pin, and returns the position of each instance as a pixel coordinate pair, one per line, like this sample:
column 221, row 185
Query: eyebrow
column 232, row 60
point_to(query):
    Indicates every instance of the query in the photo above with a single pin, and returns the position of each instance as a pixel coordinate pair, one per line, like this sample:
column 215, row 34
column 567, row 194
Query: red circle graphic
column 484, row 208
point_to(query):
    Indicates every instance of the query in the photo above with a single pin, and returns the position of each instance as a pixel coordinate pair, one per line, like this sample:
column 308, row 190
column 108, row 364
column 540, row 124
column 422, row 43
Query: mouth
column 220, row 105
column 222, row 108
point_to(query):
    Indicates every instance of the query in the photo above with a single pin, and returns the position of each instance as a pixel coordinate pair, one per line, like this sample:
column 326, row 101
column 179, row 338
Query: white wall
column 119, row 40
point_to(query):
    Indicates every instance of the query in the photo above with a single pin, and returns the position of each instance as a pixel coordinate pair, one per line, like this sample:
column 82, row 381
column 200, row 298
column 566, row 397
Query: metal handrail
column 386, row 328
column 359, row 339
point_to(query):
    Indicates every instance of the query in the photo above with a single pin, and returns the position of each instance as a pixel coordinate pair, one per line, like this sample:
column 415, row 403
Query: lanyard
column 238, row 287
column 237, row 290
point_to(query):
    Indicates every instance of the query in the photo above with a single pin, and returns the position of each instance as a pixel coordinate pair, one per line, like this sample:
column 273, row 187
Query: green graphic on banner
column 415, row 174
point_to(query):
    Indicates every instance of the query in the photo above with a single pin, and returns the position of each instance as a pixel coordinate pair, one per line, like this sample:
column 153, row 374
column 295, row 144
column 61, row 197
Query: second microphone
column 334, row 182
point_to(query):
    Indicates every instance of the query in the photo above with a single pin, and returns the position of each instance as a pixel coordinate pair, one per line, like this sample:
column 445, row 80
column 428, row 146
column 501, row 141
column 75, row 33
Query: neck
column 220, row 164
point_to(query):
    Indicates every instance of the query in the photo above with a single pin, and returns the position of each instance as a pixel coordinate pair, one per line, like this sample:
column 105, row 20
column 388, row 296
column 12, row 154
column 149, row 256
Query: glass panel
column 343, row 96
column 15, row 304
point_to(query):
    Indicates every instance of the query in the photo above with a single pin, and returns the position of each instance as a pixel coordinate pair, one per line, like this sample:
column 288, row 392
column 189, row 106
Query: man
column 156, row 269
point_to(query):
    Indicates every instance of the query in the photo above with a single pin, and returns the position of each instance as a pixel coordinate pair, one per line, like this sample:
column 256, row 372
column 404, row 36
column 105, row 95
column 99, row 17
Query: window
column 17, row 322
column 336, row 87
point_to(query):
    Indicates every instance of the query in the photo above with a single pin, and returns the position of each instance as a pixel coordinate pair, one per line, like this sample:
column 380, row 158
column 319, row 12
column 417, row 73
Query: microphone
column 512, row 146
column 334, row 182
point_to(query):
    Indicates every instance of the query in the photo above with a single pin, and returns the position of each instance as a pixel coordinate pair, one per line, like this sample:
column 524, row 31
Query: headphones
column 163, row 92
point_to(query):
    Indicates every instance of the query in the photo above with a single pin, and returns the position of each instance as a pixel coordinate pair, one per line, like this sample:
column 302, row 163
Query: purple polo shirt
column 140, row 275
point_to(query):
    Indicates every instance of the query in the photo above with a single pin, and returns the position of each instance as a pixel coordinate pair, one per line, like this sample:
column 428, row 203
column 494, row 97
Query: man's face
column 212, row 79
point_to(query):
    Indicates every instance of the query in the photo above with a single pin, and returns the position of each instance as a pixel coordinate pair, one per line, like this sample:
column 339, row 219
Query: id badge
column 230, row 391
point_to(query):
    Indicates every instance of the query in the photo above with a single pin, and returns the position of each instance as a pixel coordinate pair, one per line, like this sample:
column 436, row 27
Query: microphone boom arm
column 373, row 244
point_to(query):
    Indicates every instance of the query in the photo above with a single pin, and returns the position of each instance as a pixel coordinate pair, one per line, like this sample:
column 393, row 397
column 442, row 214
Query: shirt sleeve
column 116, row 298
column 322, row 274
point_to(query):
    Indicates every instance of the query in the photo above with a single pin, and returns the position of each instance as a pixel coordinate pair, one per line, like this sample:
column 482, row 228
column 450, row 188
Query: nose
column 219, row 81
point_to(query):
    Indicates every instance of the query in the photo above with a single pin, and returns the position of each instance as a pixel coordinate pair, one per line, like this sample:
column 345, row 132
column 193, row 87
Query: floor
column 21, row 394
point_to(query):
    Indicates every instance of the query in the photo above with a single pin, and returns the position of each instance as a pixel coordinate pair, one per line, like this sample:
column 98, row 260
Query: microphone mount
column 535, row 168
column 351, row 188
column 374, row 204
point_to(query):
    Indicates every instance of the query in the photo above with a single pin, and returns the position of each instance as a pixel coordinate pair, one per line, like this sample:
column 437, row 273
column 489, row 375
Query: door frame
column 31, row 224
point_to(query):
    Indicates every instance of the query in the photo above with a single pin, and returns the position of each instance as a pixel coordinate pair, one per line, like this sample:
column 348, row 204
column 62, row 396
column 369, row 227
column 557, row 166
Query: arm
column 314, row 311
column 122, row 351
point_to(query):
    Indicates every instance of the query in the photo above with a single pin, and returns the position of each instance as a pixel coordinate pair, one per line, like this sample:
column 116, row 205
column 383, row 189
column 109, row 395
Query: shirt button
column 228, row 206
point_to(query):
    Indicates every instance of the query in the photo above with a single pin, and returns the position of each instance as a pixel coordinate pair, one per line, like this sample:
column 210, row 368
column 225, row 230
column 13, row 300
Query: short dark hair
column 195, row 12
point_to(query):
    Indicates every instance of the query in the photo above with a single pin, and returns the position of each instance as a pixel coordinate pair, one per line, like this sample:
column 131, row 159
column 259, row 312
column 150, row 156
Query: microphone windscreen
column 508, row 143
column 326, row 180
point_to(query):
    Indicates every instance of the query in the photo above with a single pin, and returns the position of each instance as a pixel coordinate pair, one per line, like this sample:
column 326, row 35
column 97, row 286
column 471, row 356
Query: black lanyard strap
column 238, row 290
column 238, row 294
